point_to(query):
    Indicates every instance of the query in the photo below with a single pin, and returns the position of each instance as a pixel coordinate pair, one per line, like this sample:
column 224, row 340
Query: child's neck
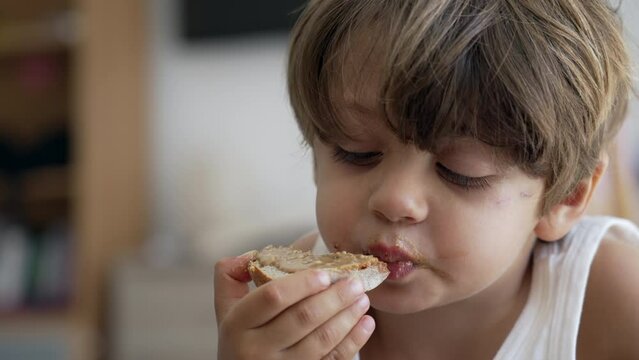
column 473, row 328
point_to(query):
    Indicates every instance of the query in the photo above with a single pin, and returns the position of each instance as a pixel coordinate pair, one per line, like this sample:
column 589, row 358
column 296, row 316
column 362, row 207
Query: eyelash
column 466, row 182
column 356, row 158
column 370, row 158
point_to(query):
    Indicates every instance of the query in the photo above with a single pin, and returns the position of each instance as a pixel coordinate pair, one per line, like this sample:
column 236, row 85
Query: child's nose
column 399, row 198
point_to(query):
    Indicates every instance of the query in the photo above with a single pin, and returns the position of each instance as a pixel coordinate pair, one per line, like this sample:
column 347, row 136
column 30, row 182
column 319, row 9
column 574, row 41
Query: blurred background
column 139, row 142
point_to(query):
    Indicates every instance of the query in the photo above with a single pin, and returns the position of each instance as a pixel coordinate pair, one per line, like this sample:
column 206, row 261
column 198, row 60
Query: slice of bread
column 273, row 262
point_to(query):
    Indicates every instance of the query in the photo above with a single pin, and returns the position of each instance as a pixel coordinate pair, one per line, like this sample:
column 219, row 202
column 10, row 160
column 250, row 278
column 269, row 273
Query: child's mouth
column 399, row 269
column 400, row 262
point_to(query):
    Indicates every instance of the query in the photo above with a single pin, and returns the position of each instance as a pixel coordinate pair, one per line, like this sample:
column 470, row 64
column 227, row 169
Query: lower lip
column 399, row 269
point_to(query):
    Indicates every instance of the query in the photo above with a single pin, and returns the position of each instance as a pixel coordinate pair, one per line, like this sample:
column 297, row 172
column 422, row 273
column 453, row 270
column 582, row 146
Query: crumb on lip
column 418, row 260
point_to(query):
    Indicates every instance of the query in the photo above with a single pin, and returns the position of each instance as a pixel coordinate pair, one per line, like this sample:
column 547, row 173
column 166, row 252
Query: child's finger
column 332, row 334
column 304, row 317
column 354, row 341
column 270, row 299
column 231, row 283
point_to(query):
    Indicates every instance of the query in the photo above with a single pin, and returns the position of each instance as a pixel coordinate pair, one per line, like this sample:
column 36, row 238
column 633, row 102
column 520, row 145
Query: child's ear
column 560, row 219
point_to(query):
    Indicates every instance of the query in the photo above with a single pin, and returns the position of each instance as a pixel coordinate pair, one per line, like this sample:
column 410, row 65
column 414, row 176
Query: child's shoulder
column 610, row 318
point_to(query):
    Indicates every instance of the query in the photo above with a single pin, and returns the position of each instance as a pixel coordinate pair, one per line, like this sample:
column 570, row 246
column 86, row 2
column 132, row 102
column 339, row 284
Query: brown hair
column 547, row 81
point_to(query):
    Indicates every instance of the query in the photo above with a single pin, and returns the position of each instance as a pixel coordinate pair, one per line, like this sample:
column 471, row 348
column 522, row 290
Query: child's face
column 453, row 224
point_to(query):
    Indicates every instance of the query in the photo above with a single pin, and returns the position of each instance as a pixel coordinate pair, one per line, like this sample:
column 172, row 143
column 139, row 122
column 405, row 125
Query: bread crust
column 371, row 271
column 259, row 277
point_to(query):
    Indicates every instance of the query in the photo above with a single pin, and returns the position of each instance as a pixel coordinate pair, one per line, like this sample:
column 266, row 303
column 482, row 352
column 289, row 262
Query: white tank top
column 548, row 326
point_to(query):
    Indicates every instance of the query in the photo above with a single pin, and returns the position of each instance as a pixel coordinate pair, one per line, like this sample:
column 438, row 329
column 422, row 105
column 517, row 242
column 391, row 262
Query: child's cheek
column 503, row 201
column 510, row 196
column 333, row 220
column 502, row 197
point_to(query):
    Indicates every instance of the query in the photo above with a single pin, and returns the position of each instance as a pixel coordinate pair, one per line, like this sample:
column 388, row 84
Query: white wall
column 627, row 140
column 629, row 11
column 227, row 164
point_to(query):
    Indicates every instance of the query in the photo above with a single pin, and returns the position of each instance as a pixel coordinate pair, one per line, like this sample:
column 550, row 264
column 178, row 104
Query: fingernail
column 323, row 278
column 355, row 286
column 249, row 254
column 368, row 324
column 362, row 302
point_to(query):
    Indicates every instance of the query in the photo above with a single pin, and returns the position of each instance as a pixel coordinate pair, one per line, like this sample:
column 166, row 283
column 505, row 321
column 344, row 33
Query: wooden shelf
column 101, row 101
column 53, row 33
column 26, row 318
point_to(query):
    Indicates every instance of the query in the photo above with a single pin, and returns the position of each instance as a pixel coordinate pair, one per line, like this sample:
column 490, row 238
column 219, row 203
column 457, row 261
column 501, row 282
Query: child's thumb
column 231, row 282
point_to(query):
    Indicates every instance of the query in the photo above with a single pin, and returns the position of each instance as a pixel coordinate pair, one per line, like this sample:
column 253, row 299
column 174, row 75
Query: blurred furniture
column 100, row 103
column 162, row 313
column 617, row 194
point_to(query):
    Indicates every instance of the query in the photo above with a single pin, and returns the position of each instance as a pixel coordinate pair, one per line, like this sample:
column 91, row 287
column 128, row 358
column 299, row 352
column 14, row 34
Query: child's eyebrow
column 498, row 156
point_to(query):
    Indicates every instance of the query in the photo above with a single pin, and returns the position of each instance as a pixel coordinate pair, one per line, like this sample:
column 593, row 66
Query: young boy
column 459, row 141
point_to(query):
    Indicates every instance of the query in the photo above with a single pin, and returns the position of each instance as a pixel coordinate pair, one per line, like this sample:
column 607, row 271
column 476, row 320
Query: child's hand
column 300, row 316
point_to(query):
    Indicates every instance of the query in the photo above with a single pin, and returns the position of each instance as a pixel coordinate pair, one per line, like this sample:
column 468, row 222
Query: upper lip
column 395, row 253
column 390, row 254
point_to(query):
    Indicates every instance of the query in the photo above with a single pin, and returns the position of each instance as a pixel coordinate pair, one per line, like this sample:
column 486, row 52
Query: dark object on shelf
column 204, row 19
column 35, row 180
column 53, row 149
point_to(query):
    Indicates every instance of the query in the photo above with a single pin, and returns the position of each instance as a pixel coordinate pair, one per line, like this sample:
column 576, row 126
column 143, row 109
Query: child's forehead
column 364, row 85
column 364, row 120
column 354, row 93
column 356, row 68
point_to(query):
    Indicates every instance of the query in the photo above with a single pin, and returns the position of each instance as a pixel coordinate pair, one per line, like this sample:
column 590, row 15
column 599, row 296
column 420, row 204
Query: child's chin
column 399, row 309
column 398, row 302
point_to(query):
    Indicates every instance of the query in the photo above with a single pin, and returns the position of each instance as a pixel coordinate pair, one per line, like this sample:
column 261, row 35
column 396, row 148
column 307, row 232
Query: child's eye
column 466, row 182
column 356, row 158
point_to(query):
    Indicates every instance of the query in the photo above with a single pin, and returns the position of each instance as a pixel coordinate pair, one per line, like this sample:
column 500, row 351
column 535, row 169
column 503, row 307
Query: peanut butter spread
column 293, row 260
